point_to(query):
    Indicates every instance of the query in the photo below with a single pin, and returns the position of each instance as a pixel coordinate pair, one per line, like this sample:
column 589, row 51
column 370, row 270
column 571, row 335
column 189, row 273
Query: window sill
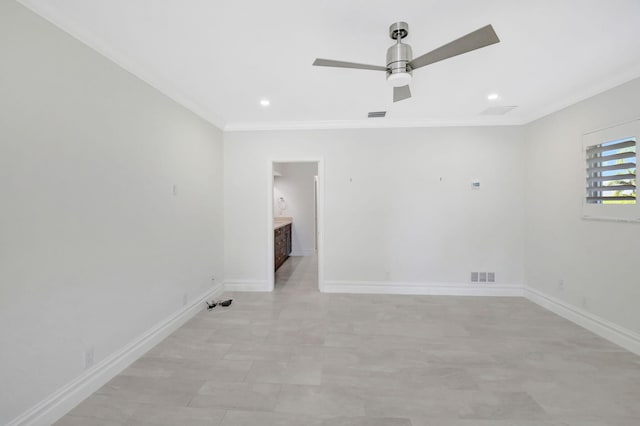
column 610, row 219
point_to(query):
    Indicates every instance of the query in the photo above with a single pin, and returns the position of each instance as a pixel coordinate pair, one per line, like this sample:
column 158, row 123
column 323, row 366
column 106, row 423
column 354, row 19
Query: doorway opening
column 295, row 225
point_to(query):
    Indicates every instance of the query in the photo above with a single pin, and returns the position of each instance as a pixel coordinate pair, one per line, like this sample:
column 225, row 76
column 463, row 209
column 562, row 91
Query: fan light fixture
column 399, row 79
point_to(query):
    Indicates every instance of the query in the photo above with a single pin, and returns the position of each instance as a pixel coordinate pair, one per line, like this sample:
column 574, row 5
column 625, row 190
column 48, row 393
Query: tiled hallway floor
column 299, row 357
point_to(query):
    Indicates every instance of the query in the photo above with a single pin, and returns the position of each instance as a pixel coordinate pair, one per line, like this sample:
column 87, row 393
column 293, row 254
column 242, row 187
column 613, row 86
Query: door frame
column 320, row 221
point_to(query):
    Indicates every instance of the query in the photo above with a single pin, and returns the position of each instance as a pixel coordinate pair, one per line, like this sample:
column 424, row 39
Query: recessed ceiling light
column 265, row 102
column 493, row 96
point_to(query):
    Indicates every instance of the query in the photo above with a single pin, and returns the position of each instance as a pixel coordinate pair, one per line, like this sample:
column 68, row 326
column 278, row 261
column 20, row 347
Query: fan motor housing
column 398, row 57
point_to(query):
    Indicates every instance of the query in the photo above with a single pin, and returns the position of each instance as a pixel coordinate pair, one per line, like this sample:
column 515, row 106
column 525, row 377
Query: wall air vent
column 498, row 110
column 483, row 277
column 377, row 114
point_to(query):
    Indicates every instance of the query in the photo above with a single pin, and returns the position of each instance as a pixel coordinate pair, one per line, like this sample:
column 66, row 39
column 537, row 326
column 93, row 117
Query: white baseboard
column 246, row 285
column 443, row 289
column 603, row 328
column 52, row 408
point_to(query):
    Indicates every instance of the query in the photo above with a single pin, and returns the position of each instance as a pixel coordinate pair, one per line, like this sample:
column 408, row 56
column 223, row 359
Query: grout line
column 224, row 416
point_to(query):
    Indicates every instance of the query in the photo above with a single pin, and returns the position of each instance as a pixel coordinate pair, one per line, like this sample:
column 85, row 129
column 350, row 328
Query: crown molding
column 49, row 14
column 370, row 123
column 597, row 87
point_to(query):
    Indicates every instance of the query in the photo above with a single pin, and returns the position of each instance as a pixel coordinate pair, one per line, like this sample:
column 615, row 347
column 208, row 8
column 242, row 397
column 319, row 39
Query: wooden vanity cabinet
column 282, row 245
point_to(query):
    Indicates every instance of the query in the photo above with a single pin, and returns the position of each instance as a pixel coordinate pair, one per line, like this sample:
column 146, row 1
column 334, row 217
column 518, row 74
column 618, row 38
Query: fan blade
column 401, row 93
column 341, row 64
column 483, row 37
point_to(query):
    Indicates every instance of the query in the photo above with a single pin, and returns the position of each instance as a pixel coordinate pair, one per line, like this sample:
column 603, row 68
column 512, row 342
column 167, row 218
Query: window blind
column 611, row 172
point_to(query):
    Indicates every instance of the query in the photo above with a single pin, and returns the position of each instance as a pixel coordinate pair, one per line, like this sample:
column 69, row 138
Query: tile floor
column 298, row 357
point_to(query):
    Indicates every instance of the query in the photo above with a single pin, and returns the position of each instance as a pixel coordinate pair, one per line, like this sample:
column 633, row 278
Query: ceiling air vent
column 498, row 110
column 377, row 114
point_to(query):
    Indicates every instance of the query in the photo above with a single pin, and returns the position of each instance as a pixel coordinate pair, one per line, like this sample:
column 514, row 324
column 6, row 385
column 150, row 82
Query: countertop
column 279, row 222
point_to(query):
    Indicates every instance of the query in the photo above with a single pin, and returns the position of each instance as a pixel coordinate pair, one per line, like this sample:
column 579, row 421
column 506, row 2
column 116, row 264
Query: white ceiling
column 220, row 58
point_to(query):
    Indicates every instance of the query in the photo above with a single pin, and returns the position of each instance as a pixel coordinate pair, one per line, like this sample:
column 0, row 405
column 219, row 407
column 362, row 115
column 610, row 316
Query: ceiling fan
column 400, row 62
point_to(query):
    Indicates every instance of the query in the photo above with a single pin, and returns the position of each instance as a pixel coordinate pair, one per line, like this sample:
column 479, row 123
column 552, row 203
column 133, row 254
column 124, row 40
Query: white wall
column 560, row 246
column 296, row 186
column 388, row 216
column 94, row 247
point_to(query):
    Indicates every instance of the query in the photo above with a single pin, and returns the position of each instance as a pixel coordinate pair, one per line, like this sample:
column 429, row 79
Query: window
column 611, row 172
column 611, row 159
